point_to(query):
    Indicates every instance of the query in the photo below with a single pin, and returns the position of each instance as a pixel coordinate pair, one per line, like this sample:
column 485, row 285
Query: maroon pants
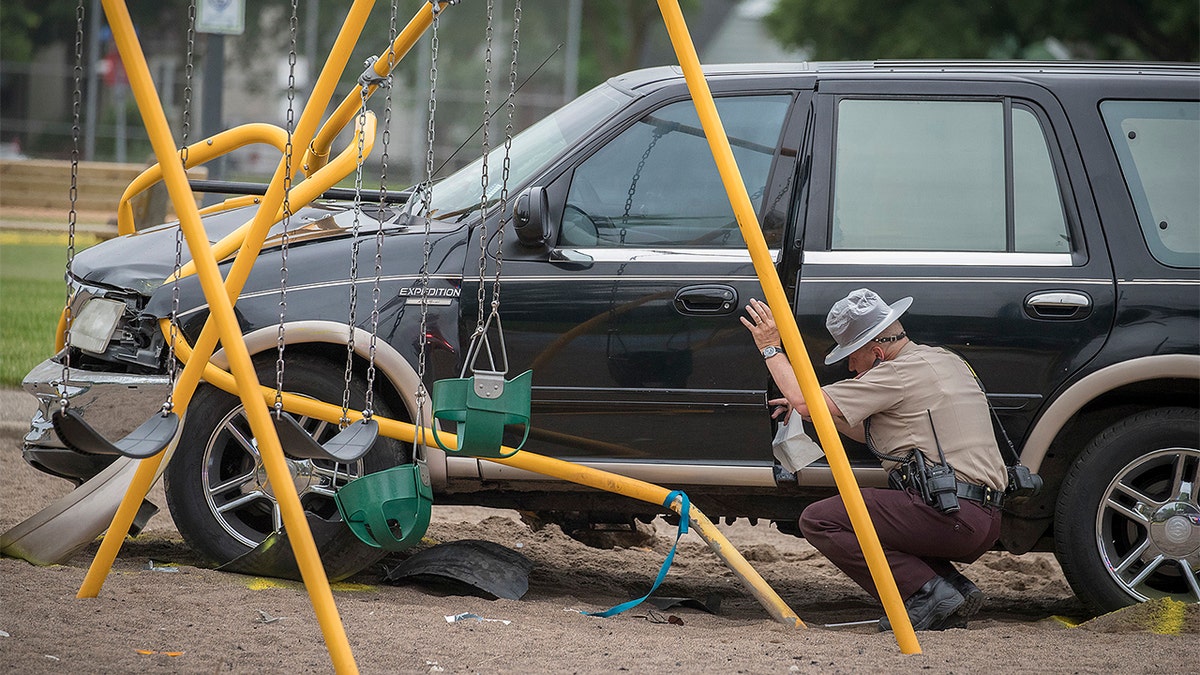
column 918, row 540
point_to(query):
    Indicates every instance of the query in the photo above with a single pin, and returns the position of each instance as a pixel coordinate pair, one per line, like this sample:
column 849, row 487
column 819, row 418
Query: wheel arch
column 1087, row 405
column 1081, row 413
column 399, row 377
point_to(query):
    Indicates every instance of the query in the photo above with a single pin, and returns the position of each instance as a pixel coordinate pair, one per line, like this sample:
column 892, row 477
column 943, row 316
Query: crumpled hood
column 141, row 261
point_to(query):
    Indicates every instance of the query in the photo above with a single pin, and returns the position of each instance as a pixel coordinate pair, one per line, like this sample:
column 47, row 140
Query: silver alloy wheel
column 235, row 483
column 1148, row 525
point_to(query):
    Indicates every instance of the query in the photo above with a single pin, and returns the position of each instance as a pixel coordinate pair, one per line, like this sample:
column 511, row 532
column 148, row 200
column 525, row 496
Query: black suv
column 1044, row 216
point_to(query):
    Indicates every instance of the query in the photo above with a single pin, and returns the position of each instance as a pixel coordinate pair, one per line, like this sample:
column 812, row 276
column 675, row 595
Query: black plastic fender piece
column 471, row 565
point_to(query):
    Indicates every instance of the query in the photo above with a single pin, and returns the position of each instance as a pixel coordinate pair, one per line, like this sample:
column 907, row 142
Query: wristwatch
column 770, row 351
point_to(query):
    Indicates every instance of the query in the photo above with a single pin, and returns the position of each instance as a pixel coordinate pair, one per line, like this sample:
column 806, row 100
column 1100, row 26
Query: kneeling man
column 905, row 399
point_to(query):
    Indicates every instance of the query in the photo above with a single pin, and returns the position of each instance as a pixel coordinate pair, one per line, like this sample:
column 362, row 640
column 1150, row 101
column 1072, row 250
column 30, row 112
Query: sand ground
column 161, row 611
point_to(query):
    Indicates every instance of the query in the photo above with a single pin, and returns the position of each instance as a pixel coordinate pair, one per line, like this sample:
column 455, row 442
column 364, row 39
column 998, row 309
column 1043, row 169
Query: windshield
column 459, row 194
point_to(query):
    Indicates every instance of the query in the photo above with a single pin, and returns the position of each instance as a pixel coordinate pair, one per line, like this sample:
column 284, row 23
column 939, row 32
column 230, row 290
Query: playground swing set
column 390, row 509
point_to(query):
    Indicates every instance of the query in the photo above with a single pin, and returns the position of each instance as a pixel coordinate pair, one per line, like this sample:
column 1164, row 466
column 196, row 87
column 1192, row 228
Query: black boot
column 972, row 603
column 930, row 605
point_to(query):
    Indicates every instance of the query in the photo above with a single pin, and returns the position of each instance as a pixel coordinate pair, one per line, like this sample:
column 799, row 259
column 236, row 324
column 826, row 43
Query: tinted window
column 930, row 176
column 1158, row 145
column 656, row 184
column 460, row 193
column 1038, row 222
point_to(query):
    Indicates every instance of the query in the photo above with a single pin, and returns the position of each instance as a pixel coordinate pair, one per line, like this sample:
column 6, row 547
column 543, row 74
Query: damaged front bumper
column 112, row 403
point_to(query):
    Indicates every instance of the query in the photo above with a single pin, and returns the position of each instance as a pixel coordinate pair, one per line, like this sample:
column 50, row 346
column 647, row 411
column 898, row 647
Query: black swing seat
column 349, row 445
column 148, row 440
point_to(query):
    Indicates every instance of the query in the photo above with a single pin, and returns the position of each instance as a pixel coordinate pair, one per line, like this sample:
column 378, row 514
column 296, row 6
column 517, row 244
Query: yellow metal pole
column 230, row 204
column 199, row 153
column 387, row 61
column 654, row 494
column 221, row 308
column 794, row 345
column 190, row 377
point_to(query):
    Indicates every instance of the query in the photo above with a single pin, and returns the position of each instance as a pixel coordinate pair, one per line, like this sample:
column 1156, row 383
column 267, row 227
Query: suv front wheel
column 217, row 488
column 1127, row 524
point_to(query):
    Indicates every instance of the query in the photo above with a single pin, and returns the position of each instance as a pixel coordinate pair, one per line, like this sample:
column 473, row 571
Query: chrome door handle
column 1058, row 305
column 711, row 299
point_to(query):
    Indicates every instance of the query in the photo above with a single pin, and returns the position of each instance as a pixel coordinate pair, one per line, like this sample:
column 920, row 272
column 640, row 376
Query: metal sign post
column 217, row 18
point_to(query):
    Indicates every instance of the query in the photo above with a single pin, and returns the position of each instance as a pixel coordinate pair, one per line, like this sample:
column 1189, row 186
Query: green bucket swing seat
column 388, row 509
column 481, row 406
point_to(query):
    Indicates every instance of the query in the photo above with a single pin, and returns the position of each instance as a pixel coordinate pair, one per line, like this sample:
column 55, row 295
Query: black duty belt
column 978, row 493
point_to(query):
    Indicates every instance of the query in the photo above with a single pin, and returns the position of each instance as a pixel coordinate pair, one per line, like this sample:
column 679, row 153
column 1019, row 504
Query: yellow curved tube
column 302, row 193
column 198, row 153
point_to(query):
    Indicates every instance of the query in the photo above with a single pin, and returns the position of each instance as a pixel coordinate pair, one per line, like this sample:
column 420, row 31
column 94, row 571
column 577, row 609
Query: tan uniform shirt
column 895, row 394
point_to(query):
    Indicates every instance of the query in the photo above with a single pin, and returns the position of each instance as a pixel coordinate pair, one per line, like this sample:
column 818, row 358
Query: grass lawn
column 32, row 295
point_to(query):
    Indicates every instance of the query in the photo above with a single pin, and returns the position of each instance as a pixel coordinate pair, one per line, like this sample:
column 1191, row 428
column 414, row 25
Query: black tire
column 209, row 454
column 1127, row 524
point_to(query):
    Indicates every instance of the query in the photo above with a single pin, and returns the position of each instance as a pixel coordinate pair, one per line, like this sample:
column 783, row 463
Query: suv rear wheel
column 217, row 488
column 1127, row 525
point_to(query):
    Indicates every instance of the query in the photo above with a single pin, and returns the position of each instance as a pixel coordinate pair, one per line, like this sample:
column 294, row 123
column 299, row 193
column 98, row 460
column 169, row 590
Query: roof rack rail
column 988, row 64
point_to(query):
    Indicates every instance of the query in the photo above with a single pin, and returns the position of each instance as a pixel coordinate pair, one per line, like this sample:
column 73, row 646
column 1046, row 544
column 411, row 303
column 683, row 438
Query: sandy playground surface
column 196, row 620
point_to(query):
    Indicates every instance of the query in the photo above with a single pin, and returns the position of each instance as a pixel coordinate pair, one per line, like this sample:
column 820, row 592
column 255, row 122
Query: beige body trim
column 393, row 366
column 1098, row 383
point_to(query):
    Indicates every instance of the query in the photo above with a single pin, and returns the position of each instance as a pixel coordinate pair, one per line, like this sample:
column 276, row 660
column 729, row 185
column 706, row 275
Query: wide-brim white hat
column 857, row 318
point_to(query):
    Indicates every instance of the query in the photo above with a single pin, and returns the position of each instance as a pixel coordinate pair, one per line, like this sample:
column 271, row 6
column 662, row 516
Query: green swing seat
column 388, row 509
column 482, row 405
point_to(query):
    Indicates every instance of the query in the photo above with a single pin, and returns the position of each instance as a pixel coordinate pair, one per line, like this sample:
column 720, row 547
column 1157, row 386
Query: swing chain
column 188, row 67
column 279, row 340
column 355, row 247
column 369, row 402
column 285, row 240
column 173, row 323
column 480, row 342
column 658, row 133
column 487, row 123
column 427, row 249
column 508, row 136
column 73, row 215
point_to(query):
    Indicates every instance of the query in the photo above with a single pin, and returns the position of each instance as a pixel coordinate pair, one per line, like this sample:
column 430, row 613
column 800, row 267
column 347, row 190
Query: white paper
column 455, row 618
column 792, row 447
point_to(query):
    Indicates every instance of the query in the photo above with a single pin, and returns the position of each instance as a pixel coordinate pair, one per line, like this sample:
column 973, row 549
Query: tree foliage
column 25, row 24
column 1166, row 30
column 615, row 35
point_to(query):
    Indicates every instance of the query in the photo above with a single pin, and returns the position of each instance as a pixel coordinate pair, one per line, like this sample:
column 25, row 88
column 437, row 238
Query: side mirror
column 531, row 219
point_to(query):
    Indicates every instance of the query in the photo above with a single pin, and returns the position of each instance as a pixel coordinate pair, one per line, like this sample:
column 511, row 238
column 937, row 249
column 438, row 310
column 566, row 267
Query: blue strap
column 684, row 509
